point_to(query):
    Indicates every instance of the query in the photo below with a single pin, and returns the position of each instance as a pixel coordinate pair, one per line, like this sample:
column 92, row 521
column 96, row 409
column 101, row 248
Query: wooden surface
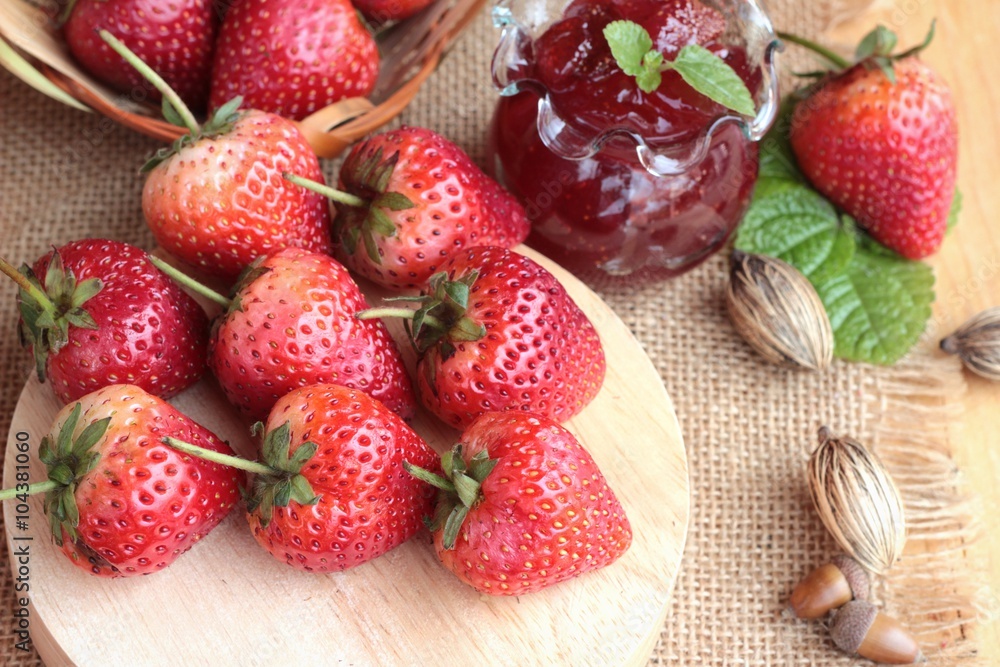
column 227, row 596
column 968, row 266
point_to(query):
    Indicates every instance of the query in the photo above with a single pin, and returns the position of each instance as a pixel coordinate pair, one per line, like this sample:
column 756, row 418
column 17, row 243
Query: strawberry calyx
column 219, row 124
column 875, row 50
column 67, row 461
column 458, row 490
column 175, row 111
column 284, row 482
column 277, row 478
column 48, row 311
column 442, row 319
column 359, row 219
column 367, row 175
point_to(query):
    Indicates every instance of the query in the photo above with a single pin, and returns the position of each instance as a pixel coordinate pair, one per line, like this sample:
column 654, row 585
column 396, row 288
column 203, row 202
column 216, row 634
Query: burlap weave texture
column 748, row 426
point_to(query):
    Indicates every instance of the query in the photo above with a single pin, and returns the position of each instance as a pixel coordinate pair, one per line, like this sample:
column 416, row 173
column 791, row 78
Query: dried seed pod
column 977, row 343
column 857, row 501
column 777, row 311
column 860, row 629
column 828, row 587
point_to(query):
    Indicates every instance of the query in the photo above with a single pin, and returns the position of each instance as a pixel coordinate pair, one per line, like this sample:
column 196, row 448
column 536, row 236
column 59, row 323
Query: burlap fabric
column 748, row 426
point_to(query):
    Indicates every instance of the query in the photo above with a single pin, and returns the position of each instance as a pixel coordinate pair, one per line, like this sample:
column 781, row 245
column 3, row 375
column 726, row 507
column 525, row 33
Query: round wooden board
column 229, row 602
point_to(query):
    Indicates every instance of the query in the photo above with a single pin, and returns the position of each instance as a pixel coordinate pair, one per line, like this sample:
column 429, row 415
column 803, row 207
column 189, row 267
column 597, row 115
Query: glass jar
column 612, row 177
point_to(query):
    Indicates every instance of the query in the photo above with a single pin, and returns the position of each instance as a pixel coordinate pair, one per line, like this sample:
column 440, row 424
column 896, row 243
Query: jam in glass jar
column 611, row 176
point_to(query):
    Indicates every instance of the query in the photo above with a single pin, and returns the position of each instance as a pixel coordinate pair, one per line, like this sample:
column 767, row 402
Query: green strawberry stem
column 218, row 457
column 325, row 190
column 190, row 122
column 839, row 61
column 187, row 281
column 404, row 313
column 22, row 281
column 37, row 487
column 278, row 480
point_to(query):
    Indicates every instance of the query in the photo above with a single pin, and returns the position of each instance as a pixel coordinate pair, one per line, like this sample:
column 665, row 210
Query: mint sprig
column 878, row 302
column 707, row 73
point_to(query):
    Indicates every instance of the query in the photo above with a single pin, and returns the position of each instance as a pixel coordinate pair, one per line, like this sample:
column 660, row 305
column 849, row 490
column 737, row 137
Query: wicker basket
column 33, row 50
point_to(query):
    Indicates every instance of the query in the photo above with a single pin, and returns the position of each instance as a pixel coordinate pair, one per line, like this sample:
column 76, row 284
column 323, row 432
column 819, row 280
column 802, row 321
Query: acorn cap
column 859, row 629
column 856, row 576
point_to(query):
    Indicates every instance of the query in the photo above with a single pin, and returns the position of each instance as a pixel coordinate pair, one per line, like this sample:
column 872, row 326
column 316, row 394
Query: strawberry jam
column 605, row 208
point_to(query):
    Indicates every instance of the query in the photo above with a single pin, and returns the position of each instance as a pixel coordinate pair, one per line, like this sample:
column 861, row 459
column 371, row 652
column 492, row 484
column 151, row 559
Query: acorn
column 828, row 587
column 859, row 628
column 977, row 343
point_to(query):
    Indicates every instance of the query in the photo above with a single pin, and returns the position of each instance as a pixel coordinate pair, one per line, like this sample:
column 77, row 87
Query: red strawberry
column 340, row 455
column 292, row 324
column 524, row 506
column 496, row 331
column 382, row 11
column 97, row 313
column 293, row 57
column 176, row 38
column 883, row 149
column 120, row 503
column 409, row 200
column 220, row 202
column 216, row 199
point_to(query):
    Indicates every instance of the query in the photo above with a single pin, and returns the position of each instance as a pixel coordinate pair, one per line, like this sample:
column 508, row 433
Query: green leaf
column 302, row 491
column 796, row 224
column 64, row 441
column 90, row 436
column 879, row 306
column 712, row 77
column 776, row 159
column 394, row 201
column 879, row 42
column 458, row 293
column 649, row 80
column 381, row 223
column 629, row 44
column 85, row 291
column 170, row 114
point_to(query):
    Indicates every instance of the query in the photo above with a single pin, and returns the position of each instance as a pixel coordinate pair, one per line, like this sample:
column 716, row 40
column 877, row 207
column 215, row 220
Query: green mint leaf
column 879, row 306
column 650, row 77
column 956, row 208
column 712, row 77
column 648, row 80
column 629, row 44
column 796, row 224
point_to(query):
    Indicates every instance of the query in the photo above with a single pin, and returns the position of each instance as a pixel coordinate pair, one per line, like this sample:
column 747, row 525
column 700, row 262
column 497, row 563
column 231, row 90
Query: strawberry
column 292, row 324
column 220, row 202
column 383, row 11
column 176, row 38
column 496, row 331
column 119, row 502
column 523, row 506
column 340, row 453
column 880, row 140
column 96, row 313
column 216, row 199
column 293, row 57
column 409, row 199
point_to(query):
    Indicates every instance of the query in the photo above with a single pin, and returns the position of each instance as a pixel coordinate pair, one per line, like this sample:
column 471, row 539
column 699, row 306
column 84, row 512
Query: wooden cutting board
column 229, row 602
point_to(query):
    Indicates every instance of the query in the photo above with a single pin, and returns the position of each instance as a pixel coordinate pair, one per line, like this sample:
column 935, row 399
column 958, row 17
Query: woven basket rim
column 329, row 130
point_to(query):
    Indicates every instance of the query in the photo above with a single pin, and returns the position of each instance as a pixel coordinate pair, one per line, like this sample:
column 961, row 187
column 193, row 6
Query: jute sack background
column 749, row 427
